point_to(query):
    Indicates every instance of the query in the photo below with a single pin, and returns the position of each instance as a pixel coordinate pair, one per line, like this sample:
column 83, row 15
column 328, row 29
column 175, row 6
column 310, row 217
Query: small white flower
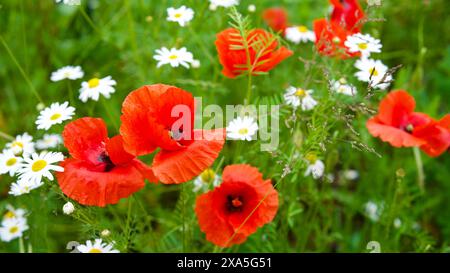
column 316, row 167
column 397, row 223
column 23, row 186
column 68, row 208
column 95, row 87
column 242, row 128
column 297, row 34
column 40, row 165
column 373, row 72
column 182, row 15
column 105, row 233
column 251, row 8
column 13, row 213
column 373, row 211
column 12, row 228
column 195, row 64
column 49, row 141
column 9, row 162
column 224, row 3
column 300, row 97
column 22, row 144
column 206, row 178
column 174, row 57
column 363, row 43
column 350, row 174
column 40, row 106
column 342, row 87
column 54, row 114
column 67, row 72
column 97, row 247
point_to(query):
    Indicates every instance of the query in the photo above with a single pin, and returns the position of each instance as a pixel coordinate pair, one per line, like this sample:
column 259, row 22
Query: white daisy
column 182, row 15
column 9, row 162
column 22, row 144
column 316, row 167
column 23, row 186
column 67, row 72
column 12, row 228
column 342, row 87
column 205, row 179
column 40, row 165
column 54, row 114
column 297, row 34
column 68, row 208
column 363, row 43
column 373, row 72
column 49, row 141
column 97, row 247
column 373, row 210
column 300, row 97
column 13, row 213
column 174, row 57
column 242, row 128
column 224, row 3
column 95, row 86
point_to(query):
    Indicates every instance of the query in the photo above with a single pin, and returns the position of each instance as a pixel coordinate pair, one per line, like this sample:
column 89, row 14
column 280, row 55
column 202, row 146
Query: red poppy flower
column 100, row 171
column 347, row 13
column 150, row 120
column 238, row 207
column 276, row 18
column 330, row 39
column 398, row 124
column 264, row 52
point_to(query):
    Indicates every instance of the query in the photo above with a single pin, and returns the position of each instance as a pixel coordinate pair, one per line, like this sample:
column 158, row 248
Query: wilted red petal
column 174, row 167
column 85, row 138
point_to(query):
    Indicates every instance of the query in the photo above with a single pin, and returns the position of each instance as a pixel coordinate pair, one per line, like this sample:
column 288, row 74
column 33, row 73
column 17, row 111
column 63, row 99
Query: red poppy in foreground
column 347, row 13
column 100, row 172
column 162, row 116
column 238, row 207
column 276, row 18
column 263, row 49
column 330, row 39
column 398, row 124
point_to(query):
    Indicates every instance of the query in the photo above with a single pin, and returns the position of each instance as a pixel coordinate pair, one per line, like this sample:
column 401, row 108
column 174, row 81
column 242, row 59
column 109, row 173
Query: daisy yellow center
column 9, row 215
column 11, row 162
column 38, row 165
column 95, row 250
column 208, row 176
column 93, row 82
column 302, row 29
column 177, row 15
column 373, row 71
column 55, row 116
column 173, row 57
column 362, row 46
column 13, row 229
column 17, row 143
column 311, row 157
column 243, row 131
column 300, row 93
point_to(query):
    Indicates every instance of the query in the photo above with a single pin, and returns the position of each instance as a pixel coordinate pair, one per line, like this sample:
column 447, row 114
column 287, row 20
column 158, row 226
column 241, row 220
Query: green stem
column 71, row 98
column 419, row 165
column 249, row 88
column 24, row 75
column 6, row 136
column 21, row 245
column 183, row 213
column 128, row 222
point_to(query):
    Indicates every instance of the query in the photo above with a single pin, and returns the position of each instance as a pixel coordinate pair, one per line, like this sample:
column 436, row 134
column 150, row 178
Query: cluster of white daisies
column 20, row 159
column 13, row 225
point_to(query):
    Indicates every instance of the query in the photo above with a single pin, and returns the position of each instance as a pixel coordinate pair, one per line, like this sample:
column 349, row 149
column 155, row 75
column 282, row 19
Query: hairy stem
column 419, row 165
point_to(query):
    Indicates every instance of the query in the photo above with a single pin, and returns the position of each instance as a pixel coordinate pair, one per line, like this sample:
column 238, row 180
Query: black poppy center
column 234, row 203
column 104, row 158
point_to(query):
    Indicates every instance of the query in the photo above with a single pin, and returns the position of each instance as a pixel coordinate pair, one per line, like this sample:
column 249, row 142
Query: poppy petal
column 395, row 108
column 173, row 167
column 116, row 152
column 437, row 136
column 85, row 138
column 99, row 188
column 396, row 137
